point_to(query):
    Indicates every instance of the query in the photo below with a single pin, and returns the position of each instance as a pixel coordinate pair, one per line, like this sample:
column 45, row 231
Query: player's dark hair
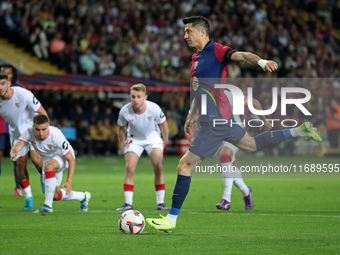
column 198, row 21
column 3, row 76
column 14, row 72
column 40, row 119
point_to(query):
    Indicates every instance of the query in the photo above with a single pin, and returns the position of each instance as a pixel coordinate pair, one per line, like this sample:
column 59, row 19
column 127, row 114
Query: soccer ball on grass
column 131, row 222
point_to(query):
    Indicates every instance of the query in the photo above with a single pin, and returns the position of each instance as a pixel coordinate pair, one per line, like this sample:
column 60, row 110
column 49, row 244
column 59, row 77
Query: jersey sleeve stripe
column 38, row 109
column 23, row 141
column 228, row 53
column 67, row 153
column 162, row 122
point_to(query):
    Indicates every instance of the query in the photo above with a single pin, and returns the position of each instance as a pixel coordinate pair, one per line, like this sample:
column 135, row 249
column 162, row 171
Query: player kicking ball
column 57, row 154
column 211, row 61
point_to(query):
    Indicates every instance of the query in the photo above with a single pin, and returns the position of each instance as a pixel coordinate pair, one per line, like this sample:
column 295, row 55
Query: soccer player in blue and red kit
column 209, row 67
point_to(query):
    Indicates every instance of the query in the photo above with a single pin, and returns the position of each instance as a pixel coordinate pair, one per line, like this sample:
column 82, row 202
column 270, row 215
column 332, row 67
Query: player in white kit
column 227, row 158
column 146, row 122
column 58, row 155
column 18, row 107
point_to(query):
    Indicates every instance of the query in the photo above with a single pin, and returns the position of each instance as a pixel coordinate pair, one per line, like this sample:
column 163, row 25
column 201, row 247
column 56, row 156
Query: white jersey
column 142, row 126
column 54, row 145
column 19, row 110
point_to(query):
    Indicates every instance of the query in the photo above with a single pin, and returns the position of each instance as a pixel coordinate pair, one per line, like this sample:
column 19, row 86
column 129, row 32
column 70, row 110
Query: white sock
column 160, row 196
column 75, row 195
column 227, row 181
column 227, row 188
column 241, row 186
column 296, row 132
column 27, row 192
column 172, row 218
column 128, row 197
column 50, row 184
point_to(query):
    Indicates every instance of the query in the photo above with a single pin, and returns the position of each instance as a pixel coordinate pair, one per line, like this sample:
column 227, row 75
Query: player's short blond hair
column 138, row 87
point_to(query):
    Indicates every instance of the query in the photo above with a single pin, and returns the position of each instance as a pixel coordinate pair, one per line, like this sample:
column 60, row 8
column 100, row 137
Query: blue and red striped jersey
column 209, row 67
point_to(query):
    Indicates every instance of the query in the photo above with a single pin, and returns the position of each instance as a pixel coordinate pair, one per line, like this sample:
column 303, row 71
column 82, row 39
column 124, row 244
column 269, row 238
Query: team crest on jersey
column 195, row 83
column 65, row 145
column 130, row 120
column 50, row 146
column 150, row 118
column 195, row 65
column 35, row 100
column 17, row 105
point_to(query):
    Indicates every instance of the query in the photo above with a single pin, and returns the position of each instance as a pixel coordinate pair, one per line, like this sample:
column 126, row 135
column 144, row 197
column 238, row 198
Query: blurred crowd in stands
column 144, row 39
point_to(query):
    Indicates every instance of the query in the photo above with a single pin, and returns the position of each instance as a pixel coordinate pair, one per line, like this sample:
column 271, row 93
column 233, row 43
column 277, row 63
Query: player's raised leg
column 156, row 157
column 131, row 160
column 186, row 164
column 269, row 138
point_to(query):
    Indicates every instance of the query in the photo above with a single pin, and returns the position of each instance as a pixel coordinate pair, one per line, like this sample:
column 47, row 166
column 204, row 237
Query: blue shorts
column 209, row 138
column 3, row 139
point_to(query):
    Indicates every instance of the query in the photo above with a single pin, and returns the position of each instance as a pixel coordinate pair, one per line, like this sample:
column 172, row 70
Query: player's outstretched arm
column 13, row 154
column 71, row 168
column 253, row 59
column 165, row 133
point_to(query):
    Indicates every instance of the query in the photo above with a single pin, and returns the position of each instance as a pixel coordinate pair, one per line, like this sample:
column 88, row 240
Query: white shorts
column 138, row 147
column 63, row 164
column 24, row 150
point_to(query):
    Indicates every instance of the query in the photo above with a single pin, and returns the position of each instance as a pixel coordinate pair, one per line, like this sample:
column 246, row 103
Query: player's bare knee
column 49, row 167
column 158, row 168
column 130, row 170
column 251, row 148
column 183, row 168
column 227, row 150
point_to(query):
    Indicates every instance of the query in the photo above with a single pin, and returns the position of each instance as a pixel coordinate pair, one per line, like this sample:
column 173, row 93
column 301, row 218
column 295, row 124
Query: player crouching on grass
column 58, row 155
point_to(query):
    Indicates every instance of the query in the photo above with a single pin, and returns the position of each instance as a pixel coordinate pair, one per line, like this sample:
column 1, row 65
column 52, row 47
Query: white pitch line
column 267, row 214
column 212, row 213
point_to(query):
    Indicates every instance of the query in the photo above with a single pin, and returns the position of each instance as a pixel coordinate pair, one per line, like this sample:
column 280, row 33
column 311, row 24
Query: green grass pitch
column 291, row 215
